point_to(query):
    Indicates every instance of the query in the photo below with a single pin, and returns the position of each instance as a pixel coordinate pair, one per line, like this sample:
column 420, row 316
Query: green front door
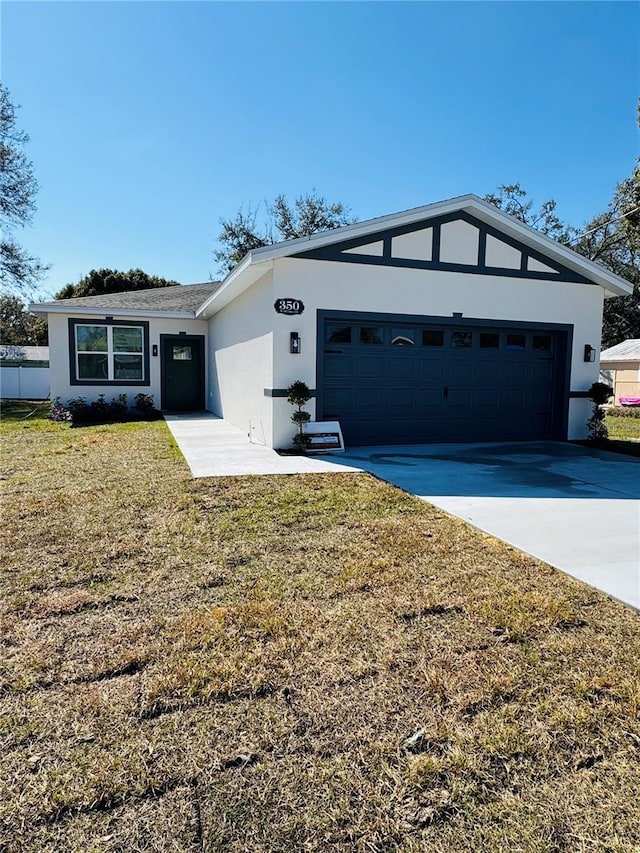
column 182, row 372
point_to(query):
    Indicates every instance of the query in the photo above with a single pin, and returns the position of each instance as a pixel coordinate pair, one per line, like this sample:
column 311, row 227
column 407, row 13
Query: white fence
column 24, row 383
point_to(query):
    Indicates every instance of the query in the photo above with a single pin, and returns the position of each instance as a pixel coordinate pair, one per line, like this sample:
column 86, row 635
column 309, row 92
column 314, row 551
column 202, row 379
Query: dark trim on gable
column 482, row 250
column 145, row 382
column 337, row 252
column 435, row 243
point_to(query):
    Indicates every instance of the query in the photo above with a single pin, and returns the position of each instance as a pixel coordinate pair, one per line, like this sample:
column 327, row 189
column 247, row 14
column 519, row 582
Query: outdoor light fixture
column 154, row 349
column 589, row 353
column 295, row 344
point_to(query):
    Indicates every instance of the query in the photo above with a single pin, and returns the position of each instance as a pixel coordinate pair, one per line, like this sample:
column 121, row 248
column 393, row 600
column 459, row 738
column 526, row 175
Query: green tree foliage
column 19, row 271
column 18, row 327
column 612, row 238
column 99, row 282
column 238, row 237
column 309, row 214
column 512, row 199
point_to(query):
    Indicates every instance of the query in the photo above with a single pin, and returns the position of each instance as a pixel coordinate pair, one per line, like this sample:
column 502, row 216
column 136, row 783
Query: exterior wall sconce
column 295, row 344
column 154, row 349
column 589, row 353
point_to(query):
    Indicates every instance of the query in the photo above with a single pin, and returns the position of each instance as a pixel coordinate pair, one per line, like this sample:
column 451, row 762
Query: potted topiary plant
column 599, row 394
column 298, row 394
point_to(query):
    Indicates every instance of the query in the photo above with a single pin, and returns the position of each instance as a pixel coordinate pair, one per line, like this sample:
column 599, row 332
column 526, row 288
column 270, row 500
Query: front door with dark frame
column 182, row 373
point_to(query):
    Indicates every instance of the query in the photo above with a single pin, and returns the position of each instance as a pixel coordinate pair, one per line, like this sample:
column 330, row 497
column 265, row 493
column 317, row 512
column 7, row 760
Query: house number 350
column 288, row 306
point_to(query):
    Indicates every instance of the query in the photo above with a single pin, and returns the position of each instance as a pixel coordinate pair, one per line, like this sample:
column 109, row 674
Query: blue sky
column 150, row 121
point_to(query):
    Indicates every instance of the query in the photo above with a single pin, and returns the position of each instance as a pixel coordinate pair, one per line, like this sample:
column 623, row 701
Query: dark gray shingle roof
column 185, row 297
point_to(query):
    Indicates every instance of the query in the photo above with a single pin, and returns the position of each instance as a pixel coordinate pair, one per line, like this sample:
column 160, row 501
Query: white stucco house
column 449, row 322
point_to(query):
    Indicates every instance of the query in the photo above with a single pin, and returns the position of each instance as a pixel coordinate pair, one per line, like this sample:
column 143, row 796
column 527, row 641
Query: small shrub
column 58, row 412
column 78, row 409
column 145, row 409
column 298, row 394
column 144, row 403
column 624, row 412
column 116, row 410
column 599, row 394
column 99, row 409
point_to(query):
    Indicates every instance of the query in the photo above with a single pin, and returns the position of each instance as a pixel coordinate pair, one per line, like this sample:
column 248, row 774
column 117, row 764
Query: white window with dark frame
column 108, row 352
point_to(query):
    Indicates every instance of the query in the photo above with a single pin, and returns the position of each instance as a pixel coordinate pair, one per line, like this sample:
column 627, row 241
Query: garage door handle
column 446, row 391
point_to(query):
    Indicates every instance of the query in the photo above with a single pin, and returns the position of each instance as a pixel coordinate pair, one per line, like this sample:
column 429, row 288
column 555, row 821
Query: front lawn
column 624, row 428
column 314, row 662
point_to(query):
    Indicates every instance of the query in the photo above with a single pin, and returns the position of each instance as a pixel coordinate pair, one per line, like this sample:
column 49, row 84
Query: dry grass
column 241, row 664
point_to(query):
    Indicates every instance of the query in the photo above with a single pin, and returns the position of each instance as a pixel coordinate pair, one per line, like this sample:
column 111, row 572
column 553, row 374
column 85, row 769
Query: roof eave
column 41, row 309
column 242, row 276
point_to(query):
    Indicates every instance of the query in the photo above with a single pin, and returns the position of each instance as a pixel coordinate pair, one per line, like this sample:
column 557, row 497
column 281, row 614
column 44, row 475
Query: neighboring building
column 24, row 372
column 450, row 322
column 620, row 368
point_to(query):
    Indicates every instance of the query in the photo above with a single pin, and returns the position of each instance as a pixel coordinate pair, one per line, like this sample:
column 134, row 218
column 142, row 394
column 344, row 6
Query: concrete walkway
column 213, row 447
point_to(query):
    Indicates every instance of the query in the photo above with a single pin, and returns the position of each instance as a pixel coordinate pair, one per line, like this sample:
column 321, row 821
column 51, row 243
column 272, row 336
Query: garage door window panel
column 542, row 343
column 371, row 335
column 461, row 340
column 403, row 337
column 338, row 334
column 516, row 342
column 489, row 340
column 432, row 338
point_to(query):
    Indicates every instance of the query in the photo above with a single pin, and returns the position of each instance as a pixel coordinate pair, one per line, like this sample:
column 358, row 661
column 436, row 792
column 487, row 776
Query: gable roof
column 181, row 300
column 628, row 350
column 254, row 265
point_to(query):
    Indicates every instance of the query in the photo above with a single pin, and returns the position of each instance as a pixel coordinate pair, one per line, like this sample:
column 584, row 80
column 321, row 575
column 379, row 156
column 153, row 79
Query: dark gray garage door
column 411, row 382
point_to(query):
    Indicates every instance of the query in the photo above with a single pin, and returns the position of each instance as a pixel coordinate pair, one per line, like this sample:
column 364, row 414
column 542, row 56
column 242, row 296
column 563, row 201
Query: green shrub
column 58, row 412
column 599, row 394
column 623, row 412
column 298, row 394
column 82, row 413
column 144, row 405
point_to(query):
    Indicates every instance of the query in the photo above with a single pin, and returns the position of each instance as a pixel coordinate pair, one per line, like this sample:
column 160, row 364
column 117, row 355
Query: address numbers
column 289, row 306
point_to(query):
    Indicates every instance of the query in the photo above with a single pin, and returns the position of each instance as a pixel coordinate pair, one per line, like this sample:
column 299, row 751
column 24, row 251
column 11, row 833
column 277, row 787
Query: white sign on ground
column 324, row 436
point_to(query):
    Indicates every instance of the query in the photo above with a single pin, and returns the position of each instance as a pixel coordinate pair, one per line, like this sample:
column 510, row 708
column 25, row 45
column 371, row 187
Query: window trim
column 145, row 382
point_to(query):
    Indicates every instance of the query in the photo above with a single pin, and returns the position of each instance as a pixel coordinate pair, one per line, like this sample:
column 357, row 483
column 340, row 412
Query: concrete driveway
column 575, row 508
